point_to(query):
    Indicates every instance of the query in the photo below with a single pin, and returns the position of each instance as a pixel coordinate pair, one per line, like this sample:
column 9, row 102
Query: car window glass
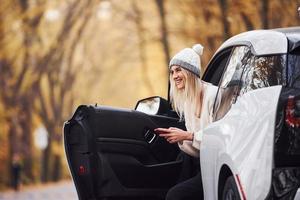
column 234, row 69
column 230, row 83
column 293, row 71
column 263, row 71
column 216, row 67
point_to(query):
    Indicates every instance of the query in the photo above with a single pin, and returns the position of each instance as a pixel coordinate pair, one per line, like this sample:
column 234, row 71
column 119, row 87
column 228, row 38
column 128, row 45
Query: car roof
column 293, row 35
column 266, row 42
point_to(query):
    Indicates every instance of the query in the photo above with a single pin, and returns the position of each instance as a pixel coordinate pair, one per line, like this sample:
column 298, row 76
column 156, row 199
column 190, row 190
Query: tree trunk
column 56, row 168
column 264, row 12
column 224, row 15
column 27, row 138
column 13, row 148
column 46, row 157
column 164, row 31
column 247, row 21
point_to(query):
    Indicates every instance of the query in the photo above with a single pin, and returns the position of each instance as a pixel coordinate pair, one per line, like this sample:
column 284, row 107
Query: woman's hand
column 173, row 135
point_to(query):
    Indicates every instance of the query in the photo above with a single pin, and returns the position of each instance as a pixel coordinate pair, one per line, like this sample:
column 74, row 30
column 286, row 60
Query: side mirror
column 153, row 106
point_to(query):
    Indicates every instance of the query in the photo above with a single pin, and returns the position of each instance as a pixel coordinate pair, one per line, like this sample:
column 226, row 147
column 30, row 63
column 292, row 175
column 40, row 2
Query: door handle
column 149, row 136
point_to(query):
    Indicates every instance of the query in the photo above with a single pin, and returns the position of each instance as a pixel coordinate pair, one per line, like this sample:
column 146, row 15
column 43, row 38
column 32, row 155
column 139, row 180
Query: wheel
column 230, row 191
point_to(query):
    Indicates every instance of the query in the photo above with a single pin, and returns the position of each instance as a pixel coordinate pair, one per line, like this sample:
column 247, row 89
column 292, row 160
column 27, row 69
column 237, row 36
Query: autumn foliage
column 58, row 54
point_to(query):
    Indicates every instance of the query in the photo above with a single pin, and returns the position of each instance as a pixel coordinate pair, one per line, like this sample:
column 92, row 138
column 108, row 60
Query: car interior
column 114, row 153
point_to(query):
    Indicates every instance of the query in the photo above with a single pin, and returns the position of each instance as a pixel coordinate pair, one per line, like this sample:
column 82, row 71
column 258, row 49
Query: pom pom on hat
column 198, row 48
column 189, row 59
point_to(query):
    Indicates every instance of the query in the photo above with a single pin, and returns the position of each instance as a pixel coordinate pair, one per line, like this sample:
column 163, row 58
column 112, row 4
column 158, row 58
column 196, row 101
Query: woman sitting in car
column 192, row 99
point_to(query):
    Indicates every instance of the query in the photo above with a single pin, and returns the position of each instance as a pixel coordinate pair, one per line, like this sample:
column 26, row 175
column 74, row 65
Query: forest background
column 58, row 54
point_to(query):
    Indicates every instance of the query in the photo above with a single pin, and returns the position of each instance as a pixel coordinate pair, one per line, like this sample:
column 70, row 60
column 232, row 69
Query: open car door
column 115, row 154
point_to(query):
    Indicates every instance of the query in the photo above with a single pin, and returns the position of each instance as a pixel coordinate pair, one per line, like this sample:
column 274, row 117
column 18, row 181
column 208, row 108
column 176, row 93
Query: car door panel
column 115, row 153
column 249, row 141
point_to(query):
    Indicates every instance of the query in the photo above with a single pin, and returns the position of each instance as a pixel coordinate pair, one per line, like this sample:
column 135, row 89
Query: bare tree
column 17, row 92
column 60, row 76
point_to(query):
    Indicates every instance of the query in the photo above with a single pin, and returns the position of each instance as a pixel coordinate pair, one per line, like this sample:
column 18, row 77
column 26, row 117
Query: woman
column 193, row 100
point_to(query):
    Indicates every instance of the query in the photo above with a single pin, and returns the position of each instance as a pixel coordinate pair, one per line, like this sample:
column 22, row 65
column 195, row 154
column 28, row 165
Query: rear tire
column 230, row 191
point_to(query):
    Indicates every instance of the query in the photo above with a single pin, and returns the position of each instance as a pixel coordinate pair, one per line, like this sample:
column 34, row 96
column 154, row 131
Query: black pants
column 191, row 188
column 188, row 190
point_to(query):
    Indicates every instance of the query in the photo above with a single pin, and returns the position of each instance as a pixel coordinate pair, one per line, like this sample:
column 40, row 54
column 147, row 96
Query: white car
column 252, row 149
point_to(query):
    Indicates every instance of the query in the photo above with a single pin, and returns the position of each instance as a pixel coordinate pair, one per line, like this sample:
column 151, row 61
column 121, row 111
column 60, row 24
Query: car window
column 229, row 85
column 262, row 71
column 293, row 69
column 216, row 67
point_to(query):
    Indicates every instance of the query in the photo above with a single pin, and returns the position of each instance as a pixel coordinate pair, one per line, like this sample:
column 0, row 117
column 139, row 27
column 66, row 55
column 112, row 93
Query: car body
column 255, row 137
column 250, row 151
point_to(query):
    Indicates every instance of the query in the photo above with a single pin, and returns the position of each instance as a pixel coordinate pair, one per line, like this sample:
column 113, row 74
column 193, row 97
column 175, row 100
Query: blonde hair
column 185, row 102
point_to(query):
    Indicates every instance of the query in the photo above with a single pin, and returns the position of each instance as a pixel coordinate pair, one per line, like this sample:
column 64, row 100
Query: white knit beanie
column 189, row 59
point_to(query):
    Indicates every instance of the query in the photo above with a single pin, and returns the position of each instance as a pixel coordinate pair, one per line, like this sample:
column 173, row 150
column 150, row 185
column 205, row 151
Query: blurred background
column 58, row 54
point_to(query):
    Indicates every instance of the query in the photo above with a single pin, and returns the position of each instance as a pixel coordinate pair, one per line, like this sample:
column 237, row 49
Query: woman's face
column 178, row 76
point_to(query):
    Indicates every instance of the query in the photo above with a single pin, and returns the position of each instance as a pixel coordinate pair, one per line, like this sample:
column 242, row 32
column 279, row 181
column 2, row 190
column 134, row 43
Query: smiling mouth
column 177, row 82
